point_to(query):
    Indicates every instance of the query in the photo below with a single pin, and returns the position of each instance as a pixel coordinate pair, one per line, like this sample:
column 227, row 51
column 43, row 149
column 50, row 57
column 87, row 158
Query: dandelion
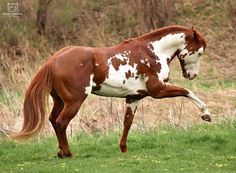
column 63, row 165
column 104, row 166
column 156, row 161
column 20, row 165
column 219, row 165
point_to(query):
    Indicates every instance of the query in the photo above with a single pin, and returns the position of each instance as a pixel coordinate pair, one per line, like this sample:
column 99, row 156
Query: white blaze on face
column 117, row 84
column 192, row 63
column 165, row 48
column 88, row 89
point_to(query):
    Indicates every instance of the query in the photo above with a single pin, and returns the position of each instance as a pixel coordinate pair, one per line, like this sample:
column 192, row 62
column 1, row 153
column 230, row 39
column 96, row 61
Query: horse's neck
column 166, row 46
column 164, row 49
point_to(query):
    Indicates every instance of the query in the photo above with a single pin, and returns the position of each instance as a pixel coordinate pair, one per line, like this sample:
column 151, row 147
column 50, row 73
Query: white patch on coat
column 145, row 62
column 192, row 62
column 117, row 84
column 120, row 56
column 133, row 106
column 165, row 48
column 142, row 61
column 88, row 89
column 183, row 52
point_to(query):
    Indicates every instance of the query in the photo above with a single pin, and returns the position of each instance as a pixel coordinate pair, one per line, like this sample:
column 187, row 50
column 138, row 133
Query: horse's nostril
column 188, row 75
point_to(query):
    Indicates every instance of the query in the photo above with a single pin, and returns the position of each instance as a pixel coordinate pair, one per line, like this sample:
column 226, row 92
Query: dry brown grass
column 103, row 114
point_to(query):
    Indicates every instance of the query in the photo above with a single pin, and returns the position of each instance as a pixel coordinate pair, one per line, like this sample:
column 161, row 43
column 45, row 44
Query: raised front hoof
column 206, row 117
column 62, row 154
column 123, row 148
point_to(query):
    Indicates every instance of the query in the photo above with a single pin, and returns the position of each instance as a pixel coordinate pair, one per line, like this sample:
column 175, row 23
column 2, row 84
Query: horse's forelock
column 198, row 37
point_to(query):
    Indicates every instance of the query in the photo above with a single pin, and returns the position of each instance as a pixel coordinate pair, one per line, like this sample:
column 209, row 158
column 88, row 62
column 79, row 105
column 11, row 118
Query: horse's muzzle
column 189, row 76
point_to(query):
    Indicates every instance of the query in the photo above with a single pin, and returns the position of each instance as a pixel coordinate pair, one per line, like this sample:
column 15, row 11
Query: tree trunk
column 153, row 14
column 42, row 16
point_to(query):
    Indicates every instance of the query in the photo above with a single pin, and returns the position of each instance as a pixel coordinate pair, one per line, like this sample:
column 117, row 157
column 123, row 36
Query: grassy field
column 106, row 23
column 205, row 148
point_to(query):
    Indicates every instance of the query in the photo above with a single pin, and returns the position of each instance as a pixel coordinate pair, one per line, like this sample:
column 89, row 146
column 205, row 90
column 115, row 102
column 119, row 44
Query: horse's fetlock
column 123, row 148
column 203, row 108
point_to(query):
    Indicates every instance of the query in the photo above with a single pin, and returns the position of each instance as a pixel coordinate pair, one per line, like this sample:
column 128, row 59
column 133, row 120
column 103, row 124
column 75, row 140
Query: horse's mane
column 172, row 29
column 164, row 31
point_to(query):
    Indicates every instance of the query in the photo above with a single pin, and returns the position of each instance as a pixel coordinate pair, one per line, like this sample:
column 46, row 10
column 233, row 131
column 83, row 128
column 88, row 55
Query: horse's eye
column 199, row 54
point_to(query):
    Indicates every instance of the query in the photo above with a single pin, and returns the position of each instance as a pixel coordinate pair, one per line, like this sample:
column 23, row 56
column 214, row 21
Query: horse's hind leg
column 128, row 120
column 69, row 111
column 56, row 110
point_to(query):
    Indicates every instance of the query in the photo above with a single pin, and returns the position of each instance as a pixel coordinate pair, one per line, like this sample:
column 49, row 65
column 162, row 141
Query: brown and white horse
column 134, row 69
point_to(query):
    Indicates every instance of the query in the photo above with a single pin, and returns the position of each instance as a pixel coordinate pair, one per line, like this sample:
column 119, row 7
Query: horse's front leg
column 202, row 106
column 131, row 106
column 173, row 91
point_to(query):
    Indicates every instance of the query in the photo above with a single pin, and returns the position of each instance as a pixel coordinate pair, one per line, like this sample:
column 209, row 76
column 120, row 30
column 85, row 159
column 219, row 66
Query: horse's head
column 189, row 56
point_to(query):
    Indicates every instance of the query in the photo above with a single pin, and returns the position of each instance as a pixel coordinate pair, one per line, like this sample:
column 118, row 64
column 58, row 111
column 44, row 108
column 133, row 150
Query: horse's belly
column 120, row 87
column 123, row 80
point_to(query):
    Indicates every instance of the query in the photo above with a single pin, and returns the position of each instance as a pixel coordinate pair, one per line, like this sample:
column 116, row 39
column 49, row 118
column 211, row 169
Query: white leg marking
column 202, row 106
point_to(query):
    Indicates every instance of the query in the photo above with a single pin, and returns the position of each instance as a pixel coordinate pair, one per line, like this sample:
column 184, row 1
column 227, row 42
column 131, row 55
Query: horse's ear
column 195, row 35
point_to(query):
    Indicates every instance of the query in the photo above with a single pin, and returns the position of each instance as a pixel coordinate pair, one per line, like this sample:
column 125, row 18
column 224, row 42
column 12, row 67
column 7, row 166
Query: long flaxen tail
column 35, row 103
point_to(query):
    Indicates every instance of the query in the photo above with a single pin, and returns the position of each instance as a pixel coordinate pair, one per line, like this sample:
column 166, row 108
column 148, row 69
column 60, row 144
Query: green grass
column 205, row 148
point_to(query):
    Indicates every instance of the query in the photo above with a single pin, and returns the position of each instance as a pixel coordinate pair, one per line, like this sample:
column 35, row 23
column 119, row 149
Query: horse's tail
column 35, row 102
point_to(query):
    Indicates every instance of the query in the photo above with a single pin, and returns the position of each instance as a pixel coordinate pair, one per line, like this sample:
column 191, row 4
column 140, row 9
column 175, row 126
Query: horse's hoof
column 62, row 154
column 206, row 117
column 123, row 149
